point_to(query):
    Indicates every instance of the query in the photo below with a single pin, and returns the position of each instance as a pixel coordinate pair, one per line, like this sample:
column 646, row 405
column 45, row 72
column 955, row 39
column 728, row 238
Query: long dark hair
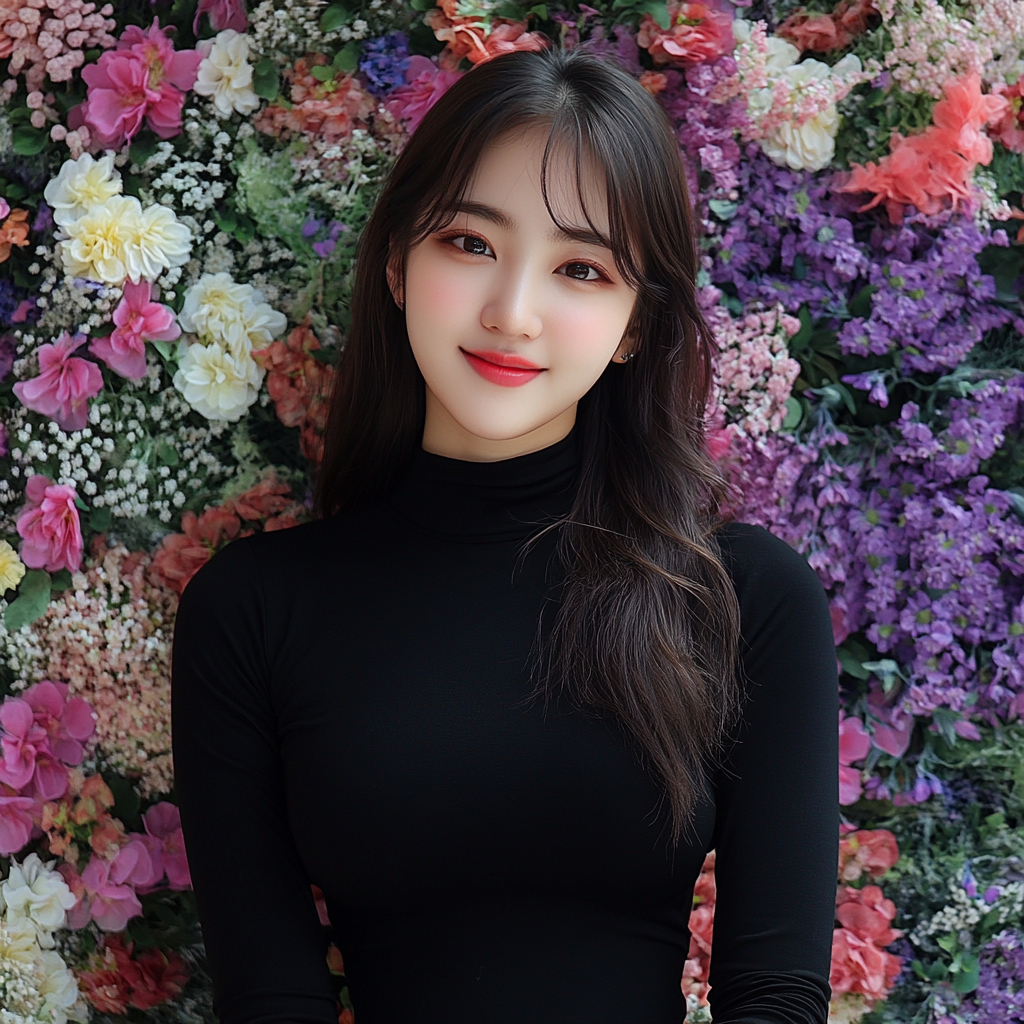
column 647, row 628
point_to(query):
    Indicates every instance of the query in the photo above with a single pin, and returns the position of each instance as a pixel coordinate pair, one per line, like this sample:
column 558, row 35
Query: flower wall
column 182, row 187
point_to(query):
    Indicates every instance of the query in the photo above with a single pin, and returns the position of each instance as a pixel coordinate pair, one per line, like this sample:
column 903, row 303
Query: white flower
column 809, row 146
column 781, row 53
column 118, row 239
column 81, row 184
column 222, row 310
column 225, row 74
column 219, row 381
column 57, row 986
column 34, row 892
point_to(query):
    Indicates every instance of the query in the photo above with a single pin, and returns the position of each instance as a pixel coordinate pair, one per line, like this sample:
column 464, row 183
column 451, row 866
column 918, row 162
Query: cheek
column 435, row 290
column 587, row 331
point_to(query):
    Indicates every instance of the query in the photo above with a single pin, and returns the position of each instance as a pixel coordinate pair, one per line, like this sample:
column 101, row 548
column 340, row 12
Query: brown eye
column 579, row 272
column 470, row 244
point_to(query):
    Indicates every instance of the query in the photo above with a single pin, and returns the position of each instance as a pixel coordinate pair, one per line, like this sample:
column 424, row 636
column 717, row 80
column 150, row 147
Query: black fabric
column 348, row 710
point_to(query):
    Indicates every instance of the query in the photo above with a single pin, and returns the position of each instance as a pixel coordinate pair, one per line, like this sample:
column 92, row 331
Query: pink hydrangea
column 144, row 80
column 64, row 385
column 49, row 526
column 15, row 822
column 425, row 85
column 163, row 824
column 137, row 320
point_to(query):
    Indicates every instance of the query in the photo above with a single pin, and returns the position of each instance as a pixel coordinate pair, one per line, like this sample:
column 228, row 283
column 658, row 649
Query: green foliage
column 33, row 597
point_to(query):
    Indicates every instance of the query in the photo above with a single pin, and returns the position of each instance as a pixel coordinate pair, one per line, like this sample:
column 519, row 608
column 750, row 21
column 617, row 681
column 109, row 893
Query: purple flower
column 383, row 62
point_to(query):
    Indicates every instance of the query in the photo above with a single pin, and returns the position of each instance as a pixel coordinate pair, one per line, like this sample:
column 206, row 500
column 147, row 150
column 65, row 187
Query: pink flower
column 67, row 723
column 854, row 744
column 223, row 14
column 426, row 84
column 697, row 32
column 64, row 385
column 144, row 79
column 138, row 863
column 109, row 903
column 49, row 526
column 163, row 823
column 20, row 739
column 138, row 320
column 15, row 823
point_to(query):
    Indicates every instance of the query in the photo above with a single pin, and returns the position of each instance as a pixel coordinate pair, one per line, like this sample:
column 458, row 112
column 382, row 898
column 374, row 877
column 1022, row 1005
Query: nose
column 513, row 306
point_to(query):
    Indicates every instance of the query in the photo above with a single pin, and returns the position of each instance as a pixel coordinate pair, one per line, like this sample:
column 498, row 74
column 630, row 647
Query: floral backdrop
column 182, row 185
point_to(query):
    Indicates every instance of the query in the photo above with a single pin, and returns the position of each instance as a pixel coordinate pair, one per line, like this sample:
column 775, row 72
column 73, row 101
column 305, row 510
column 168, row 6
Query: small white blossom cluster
column 67, row 300
column 337, row 175
column 136, row 458
column 964, row 912
column 288, row 29
column 35, row 982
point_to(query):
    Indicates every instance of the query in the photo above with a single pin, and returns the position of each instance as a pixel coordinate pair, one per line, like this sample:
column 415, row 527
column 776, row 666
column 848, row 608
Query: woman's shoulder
column 769, row 576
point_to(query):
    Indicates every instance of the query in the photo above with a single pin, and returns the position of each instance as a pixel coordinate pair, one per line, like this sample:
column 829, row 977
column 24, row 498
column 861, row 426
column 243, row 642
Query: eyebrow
column 556, row 234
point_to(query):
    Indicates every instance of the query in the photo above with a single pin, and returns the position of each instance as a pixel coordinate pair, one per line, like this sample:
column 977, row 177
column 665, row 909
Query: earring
column 626, row 356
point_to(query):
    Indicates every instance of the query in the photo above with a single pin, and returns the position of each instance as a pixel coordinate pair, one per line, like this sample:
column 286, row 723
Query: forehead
column 508, row 175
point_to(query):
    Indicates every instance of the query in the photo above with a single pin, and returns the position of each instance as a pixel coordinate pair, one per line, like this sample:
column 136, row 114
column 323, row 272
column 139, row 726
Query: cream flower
column 118, row 240
column 222, row 310
column 809, row 146
column 81, row 184
column 34, row 892
column 17, row 943
column 12, row 569
column 219, row 381
column 58, row 987
column 225, row 74
column 781, row 53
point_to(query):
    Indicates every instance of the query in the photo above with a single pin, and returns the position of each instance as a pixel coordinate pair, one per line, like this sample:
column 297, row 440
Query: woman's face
column 510, row 322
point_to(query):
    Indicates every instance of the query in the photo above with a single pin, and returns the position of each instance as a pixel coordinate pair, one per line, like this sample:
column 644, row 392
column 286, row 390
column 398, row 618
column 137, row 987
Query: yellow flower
column 12, row 569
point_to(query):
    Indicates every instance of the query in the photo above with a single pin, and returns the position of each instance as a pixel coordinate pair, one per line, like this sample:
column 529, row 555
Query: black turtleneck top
column 348, row 711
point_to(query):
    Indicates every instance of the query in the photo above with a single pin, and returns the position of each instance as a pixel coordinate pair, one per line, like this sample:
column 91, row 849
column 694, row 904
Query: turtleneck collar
column 481, row 502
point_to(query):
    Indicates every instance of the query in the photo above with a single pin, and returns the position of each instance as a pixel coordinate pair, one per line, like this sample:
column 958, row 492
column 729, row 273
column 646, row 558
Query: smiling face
column 510, row 321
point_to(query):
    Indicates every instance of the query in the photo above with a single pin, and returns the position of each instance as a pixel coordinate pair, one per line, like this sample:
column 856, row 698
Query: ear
column 625, row 350
column 394, row 275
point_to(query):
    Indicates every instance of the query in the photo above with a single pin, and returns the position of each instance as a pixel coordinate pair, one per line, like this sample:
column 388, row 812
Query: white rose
column 810, row 146
column 219, row 381
column 222, row 310
column 225, row 74
column 79, row 185
column 34, row 892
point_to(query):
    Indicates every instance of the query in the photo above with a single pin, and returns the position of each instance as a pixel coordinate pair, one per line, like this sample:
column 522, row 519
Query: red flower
column 695, row 33
column 823, row 32
column 120, row 980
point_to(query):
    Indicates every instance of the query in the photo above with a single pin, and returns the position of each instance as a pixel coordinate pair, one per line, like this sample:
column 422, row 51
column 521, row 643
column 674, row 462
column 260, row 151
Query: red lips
column 502, row 367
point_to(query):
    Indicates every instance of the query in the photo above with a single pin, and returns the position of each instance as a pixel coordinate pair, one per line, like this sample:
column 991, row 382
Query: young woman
column 501, row 698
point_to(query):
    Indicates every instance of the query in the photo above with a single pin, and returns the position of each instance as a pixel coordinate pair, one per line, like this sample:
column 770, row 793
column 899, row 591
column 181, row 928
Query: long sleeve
column 777, row 822
column 263, row 938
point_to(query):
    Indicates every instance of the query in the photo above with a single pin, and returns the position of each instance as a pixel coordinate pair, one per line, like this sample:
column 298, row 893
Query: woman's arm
column 263, row 937
column 777, row 824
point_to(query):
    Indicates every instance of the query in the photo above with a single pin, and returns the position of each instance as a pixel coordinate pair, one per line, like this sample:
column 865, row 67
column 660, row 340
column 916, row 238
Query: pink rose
column 49, row 526
column 426, row 84
column 144, row 79
column 137, row 321
column 15, row 823
column 64, row 385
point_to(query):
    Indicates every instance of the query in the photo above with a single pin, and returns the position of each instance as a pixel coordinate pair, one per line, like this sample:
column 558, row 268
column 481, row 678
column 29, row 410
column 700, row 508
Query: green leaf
column 165, row 349
column 422, row 5
column 28, row 141
column 541, row 10
column 723, row 209
column 799, row 340
column 658, row 10
column 266, row 82
column 996, row 820
column 347, row 58
column 33, row 597
column 860, row 304
column 60, row 581
column 126, row 800
column 794, row 414
column 851, row 666
column 143, row 147
column 166, row 454
column 100, row 520
column 323, row 72
column 81, row 505
column 226, row 219
column 334, row 18
column 246, row 229
column 967, row 980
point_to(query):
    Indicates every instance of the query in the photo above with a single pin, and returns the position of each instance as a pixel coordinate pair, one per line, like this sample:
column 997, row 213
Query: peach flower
column 696, row 32
column 824, row 32
column 469, row 37
column 872, row 850
column 13, row 231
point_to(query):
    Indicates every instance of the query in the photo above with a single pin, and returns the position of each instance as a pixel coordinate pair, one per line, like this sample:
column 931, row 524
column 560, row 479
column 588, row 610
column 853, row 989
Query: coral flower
column 1009, row 130
column 144, row 80
column 425, row 85
column 696, row 33
column 64, row 385
column 49, row 526
column 137, row 320
column 872, row 850
column 824, row 32
column 471, row 38
column 13, row 231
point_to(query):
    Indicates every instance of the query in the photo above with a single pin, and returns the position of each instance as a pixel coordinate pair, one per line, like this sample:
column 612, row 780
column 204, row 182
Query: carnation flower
column 64, row 385
column 118, row 239
column 12, row 569
column 225, row 74
column 34, row 892
column 219, row 381
column 49, row 526
column 220, row 309
column 80, row 185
